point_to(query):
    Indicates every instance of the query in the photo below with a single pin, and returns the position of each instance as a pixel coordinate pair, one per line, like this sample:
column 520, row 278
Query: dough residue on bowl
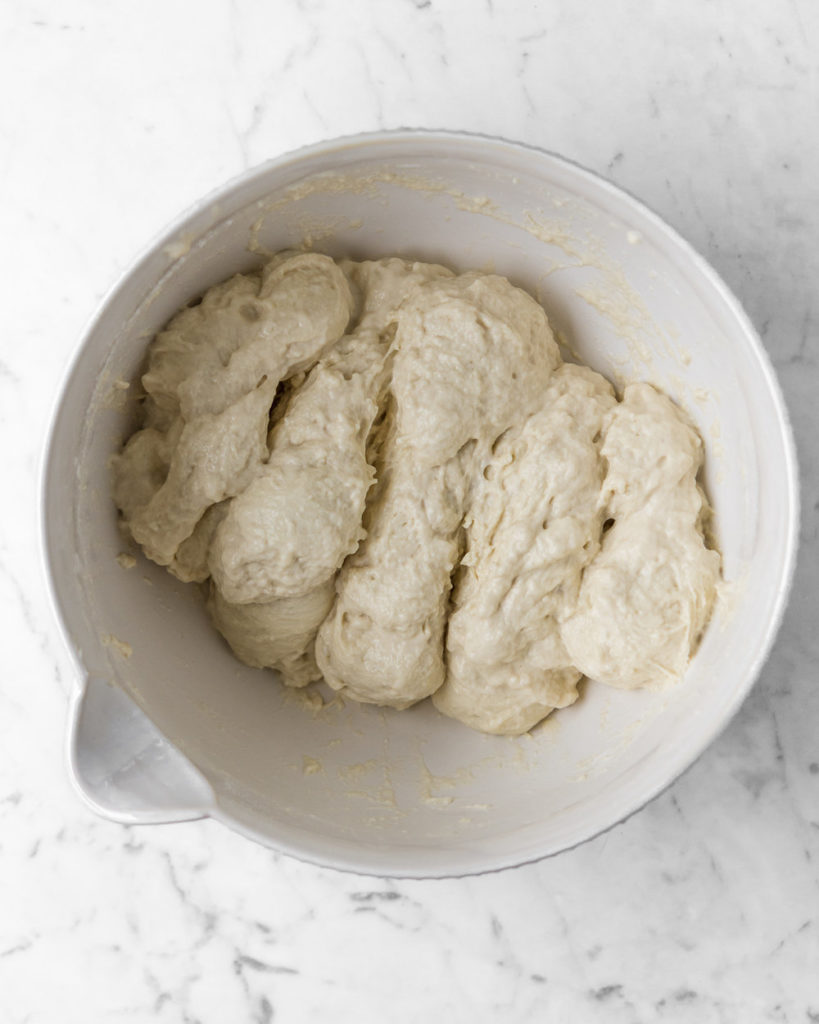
column 388, row 479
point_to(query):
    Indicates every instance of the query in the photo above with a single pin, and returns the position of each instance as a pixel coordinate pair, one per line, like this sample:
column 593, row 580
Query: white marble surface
column 702, row 908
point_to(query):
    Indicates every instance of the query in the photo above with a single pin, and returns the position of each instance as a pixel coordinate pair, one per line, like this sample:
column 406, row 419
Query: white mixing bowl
column 167, row 725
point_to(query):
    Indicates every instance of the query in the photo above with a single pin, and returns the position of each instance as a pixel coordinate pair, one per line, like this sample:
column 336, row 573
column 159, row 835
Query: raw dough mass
column 391, row 481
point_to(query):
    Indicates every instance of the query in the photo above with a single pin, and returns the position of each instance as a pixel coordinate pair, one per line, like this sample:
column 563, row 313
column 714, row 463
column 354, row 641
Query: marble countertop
column 704, row 906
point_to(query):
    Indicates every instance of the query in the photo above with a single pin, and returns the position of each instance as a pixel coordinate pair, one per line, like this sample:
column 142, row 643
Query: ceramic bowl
column 167, row 725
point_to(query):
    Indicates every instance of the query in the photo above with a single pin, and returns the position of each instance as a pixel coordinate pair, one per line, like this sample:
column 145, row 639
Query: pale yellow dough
column 534, row 526
column 393, row 482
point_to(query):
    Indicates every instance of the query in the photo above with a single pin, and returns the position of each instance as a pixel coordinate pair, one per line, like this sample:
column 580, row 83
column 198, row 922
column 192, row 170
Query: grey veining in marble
column 702, row 908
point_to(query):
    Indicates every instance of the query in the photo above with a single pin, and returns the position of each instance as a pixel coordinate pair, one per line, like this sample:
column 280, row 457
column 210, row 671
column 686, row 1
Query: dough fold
column 275, row 553
column 211, row 381
column 383, row 641
column 533, row 527
column 645, row 599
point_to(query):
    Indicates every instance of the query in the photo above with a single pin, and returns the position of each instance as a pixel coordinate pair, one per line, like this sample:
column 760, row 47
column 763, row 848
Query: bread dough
column 383, row 640
column 533, row 528
column 647, row 596
column 284, row 538
column 212, row 378
column 391, row 481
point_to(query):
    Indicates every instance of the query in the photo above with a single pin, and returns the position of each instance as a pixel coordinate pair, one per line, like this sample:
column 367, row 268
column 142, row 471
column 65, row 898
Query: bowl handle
column 125, row 768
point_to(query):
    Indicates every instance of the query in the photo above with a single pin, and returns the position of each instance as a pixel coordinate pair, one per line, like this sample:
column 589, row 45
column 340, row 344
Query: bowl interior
column 412, row 792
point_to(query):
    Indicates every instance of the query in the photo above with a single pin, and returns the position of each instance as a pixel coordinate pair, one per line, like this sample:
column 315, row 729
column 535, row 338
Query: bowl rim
column 401, row 866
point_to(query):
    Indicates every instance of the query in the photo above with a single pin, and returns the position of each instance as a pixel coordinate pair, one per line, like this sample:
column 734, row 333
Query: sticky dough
column 387, row 478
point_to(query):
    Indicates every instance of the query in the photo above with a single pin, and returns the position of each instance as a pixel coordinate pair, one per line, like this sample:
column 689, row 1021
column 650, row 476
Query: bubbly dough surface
column 388, row 478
